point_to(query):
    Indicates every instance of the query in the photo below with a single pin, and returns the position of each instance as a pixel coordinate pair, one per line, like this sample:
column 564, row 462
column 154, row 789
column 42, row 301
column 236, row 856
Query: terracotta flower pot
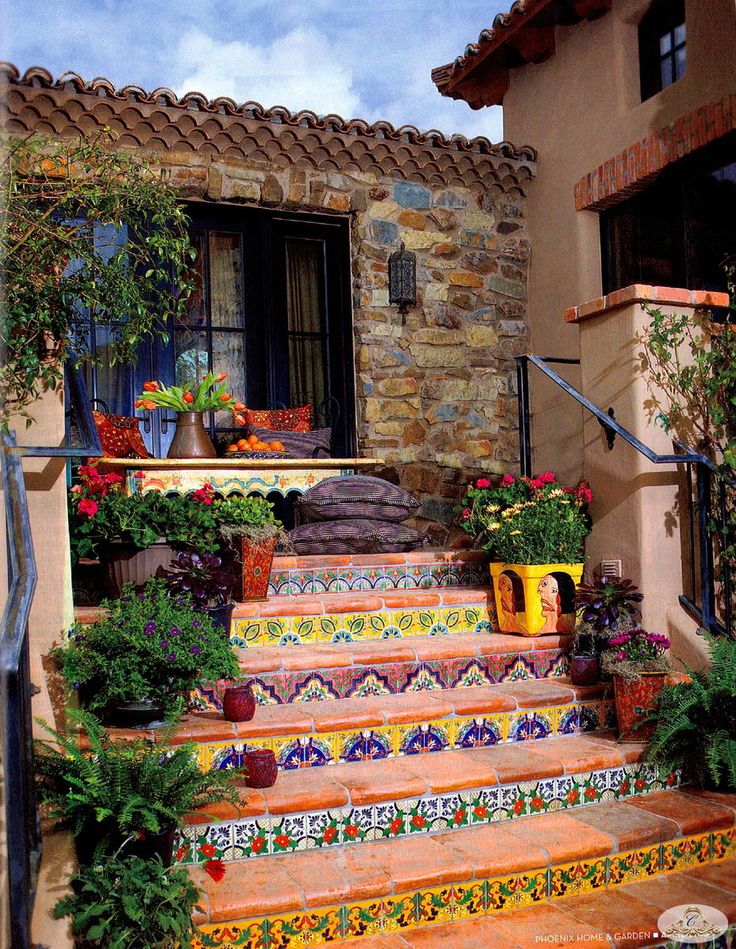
column 256, row 559
column 261, row 769
column 584, row 669
column 190, row 438
column 238, row 703
column 635, row 698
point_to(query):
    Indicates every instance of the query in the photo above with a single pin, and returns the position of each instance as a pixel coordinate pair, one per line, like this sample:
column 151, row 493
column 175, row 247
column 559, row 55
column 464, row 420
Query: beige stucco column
column 635, row 507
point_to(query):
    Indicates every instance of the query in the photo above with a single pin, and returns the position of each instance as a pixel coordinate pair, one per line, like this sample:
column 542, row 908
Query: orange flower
column 225, row 397
column 239, row 419
column 148, row 404
column 138, row 403
column 150, row 386
column 223, row 375
column 239, row 407
column 188, row 398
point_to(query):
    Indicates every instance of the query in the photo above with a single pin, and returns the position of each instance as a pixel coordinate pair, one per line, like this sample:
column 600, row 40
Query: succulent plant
column 608, row 604
column 204, row 577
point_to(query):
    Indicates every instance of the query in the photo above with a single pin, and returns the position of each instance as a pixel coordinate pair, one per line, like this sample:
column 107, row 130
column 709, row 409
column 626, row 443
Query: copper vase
column 190, row 438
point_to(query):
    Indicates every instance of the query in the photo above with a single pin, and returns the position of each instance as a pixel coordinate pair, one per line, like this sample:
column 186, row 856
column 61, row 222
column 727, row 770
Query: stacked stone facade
column 435, row 390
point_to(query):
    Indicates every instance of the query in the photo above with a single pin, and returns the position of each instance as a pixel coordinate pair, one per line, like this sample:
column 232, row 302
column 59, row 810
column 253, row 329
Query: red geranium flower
column 88, row 507
column 216, row 869
column 207, row 850
column 482, row 483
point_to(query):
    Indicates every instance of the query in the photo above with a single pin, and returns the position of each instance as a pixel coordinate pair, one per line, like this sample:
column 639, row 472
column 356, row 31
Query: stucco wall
column 578, row 109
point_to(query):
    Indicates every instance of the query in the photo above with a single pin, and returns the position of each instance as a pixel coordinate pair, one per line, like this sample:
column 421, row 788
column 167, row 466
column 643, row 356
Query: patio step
column 324, row 672
column 624, row 917
column 357, row 617
column 350, row 573
column 399, row 886
column 356, row 802
column 312, row 734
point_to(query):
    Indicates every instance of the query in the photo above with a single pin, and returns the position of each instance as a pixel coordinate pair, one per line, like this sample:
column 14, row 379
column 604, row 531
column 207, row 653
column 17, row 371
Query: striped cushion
column 314, row 444
column 351, row 496
column 354, row 536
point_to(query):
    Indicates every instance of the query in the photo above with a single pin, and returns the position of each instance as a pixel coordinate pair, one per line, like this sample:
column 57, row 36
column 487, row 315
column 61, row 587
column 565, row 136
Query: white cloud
column 297, row 70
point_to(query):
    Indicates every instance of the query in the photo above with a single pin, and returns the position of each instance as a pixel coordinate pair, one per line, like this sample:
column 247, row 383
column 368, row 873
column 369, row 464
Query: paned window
column 662, row 46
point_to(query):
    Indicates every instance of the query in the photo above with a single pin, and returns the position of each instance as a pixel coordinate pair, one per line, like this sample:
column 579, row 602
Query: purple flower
column 195, row 650
column 141, row 596
column 195, row 622
column 171, row 656
column 180, row 600
column 149, row 628
column 164, row 644
column 174, row 631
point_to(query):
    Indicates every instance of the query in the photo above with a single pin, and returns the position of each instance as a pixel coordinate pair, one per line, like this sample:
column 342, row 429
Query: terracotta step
column 281, row 675
column 403, row 885
column 348, row 617
column 341, row 573
column 623, row 917
column 354, row 803
column 318, row 733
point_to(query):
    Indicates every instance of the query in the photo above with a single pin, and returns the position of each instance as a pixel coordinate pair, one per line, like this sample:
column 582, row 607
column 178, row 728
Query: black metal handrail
column 705, row 470
column 21, row 814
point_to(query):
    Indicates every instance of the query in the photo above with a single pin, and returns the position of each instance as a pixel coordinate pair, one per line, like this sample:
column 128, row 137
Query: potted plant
column 695, row 722
column 134, row 535
column 129, row 903
column 535, row 532
column 207, row 580
column 190, row 403
column 605, row 606
column 150, row 648
column 638, row 662
column 129, row 795
column 249, row 526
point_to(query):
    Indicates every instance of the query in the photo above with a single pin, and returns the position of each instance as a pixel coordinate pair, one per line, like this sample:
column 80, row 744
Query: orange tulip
column 188, row 398
column 225, row 397
column 223, row 375
column 239, row 407
column 239, row 419
column 150, row 386
column 147, row 404
column 138, row 403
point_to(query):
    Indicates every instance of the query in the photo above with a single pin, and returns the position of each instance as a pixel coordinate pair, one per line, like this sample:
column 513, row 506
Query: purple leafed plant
column 204, row 577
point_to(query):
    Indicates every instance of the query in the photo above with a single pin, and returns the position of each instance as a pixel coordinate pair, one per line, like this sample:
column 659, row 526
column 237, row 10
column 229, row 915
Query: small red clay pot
column 238, row 703
column 584, row 669
column 261, row 769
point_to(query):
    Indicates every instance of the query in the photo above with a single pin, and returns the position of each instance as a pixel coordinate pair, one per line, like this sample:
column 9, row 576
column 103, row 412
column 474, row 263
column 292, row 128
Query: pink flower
column 547, row 477
column 536, row 483
column 507, row 480
column 482, row 483
column 88, row 507
column 466, row 513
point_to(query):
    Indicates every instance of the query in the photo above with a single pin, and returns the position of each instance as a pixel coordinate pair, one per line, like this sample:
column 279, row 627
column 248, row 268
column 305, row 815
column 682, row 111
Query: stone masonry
column 436, row 391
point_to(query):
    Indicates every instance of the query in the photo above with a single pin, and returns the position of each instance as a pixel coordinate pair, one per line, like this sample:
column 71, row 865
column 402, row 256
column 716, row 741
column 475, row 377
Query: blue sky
column 358, row 58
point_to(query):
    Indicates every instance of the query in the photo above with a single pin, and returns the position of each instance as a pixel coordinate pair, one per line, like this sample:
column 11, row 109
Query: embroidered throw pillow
column 292, row 420
column 120, row 436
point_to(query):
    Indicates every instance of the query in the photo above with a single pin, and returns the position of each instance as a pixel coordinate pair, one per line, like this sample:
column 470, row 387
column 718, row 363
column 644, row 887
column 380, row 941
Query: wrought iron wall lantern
column 402, row 279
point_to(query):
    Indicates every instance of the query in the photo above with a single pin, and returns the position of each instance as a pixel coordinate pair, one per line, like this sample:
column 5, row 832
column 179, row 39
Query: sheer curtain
column 306, row 329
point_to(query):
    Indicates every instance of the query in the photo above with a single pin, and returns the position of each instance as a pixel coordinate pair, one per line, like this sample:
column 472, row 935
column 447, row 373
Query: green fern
column 696, row 722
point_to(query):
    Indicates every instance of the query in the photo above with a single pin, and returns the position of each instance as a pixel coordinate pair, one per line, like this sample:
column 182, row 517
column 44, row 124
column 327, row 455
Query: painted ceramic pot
column 238, row 703
column 584, row 669
column 261, row 769
column 635, row 698
column 256, row 559
column 190, row 438
column 534, row 599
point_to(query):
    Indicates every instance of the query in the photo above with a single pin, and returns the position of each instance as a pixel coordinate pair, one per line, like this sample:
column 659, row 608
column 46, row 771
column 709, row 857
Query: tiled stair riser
column 383, row 741
column 358, row 627
column 467, row 899
column 252, row 837
column 282, row 688
column 315, row 580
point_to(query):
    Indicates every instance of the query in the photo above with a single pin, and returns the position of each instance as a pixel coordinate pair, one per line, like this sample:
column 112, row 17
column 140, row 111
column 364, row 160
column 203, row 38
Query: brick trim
column 642, row 293
column 628, row 172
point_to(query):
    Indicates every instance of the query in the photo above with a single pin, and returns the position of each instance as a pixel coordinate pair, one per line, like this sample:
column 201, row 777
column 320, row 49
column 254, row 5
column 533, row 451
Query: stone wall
column 435, row 391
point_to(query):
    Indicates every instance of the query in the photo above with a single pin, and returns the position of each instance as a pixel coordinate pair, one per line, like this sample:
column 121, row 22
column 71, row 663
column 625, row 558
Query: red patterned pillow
column 291, row 420
column 120, row 436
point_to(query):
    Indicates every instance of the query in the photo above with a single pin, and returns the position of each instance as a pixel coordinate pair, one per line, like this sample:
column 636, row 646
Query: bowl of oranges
column 254, row 447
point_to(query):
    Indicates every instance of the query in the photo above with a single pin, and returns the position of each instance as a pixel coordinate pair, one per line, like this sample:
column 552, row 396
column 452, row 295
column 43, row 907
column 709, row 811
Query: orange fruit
column 232, row 447
column 277, row 446
column 242, row 445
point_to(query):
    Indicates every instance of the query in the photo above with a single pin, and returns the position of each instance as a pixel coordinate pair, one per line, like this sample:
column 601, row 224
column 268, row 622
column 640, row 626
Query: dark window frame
column 658, row 67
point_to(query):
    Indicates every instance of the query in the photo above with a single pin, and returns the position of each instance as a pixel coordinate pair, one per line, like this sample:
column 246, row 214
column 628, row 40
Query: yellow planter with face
column 534, row 599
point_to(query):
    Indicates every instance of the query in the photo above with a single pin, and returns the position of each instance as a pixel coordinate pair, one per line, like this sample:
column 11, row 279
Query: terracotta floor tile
column 537, row 694
column 630, row 826
column 409, row 599
column 675, row 889
column 295, row 658
column 492, row 849
column 255, row 888
column 344, row 713
column 255, row 660
column 524, row 643
column 560, row 836
column 483, row 933
column 419, row 861
column 691, row 815
column 718, row 797
column 380, row 650
column 478, row 700
column 632, row 751
column 393, row 941
column 370, row 560
column 722, row 874
column 246, row 610
column 222, row 811
column 526, row 926
column 450, row 771
column 517, row 762
column 581, row 753
column 352, row 602
column 324, row 560
column 291, row 606
column 336, row 876
column 614, row 911
column 204, row 726
column 415, row 707
column 368, row 781
column 308, row 789
column 454, row 646
column 284, row 562
column 275, row 720
column 470, row 595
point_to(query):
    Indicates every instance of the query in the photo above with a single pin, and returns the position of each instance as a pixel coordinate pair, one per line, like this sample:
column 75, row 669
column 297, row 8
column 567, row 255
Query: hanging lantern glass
column 402, row 279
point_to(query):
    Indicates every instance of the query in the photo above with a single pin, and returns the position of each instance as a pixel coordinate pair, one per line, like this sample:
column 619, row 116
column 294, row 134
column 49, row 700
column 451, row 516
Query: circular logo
column 693, row 923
